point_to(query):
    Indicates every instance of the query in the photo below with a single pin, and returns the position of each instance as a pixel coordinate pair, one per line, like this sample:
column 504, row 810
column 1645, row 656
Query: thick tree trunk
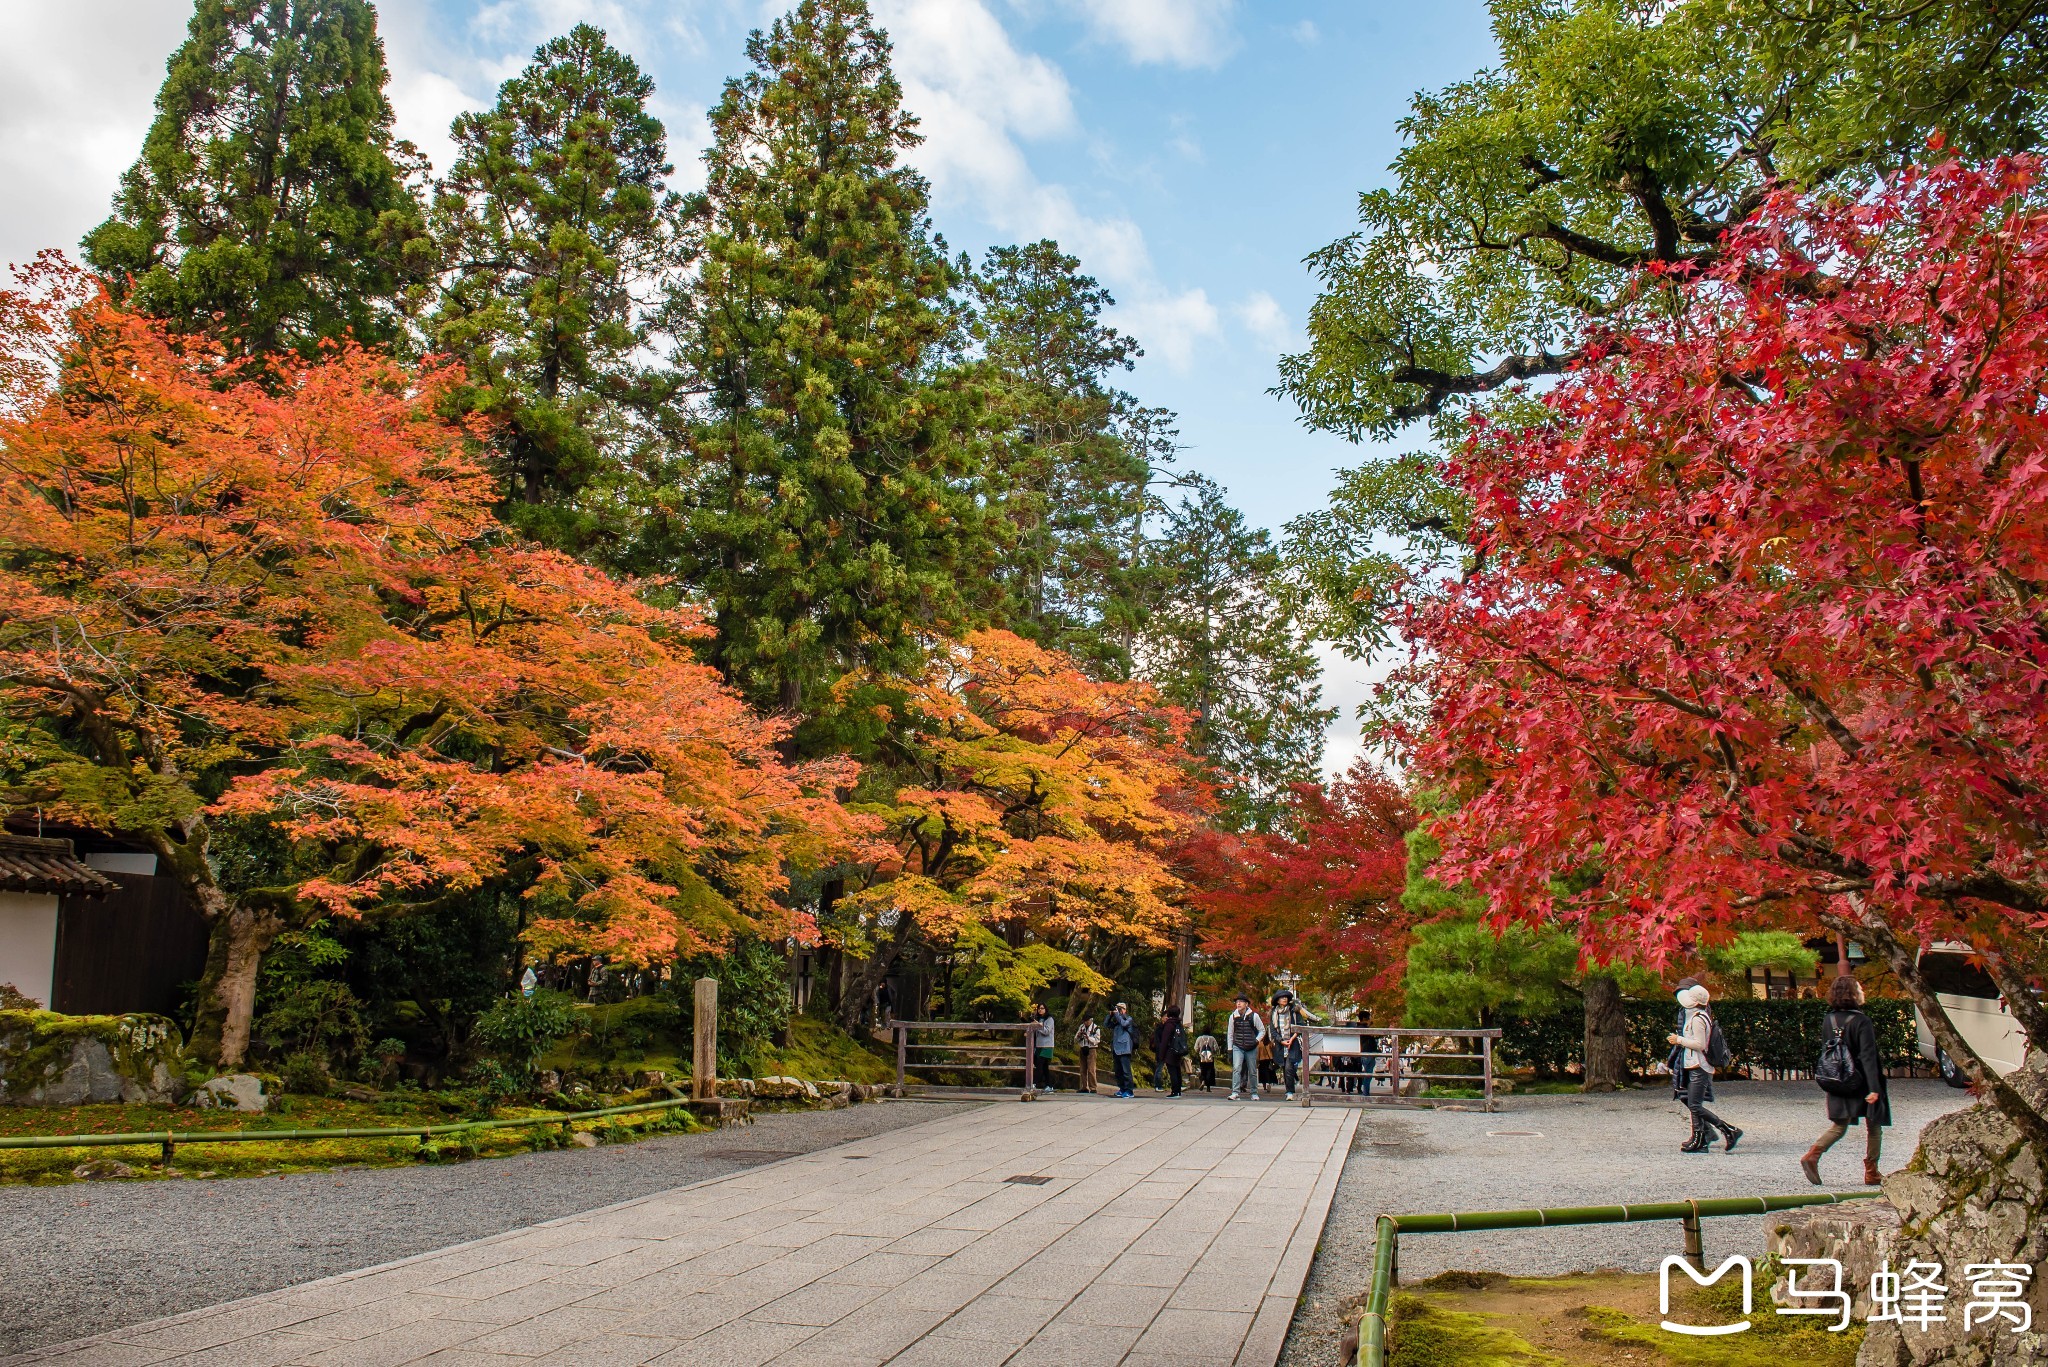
column 227, row 990
column 1606, row 1054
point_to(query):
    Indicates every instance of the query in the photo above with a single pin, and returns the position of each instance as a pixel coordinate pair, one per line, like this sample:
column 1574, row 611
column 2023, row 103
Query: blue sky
column 1191, row 152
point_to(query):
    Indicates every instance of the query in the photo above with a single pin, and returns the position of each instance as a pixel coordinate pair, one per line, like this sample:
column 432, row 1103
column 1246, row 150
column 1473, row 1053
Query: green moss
column 819, row 1050
column 1421, row 1334
column 1773, row 1340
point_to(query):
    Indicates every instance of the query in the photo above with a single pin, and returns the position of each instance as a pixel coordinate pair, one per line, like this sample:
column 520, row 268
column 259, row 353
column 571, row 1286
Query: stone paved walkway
column 1164, row 1233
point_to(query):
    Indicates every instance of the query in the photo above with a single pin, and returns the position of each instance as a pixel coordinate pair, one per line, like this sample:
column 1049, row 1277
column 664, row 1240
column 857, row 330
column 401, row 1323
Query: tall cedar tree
column 270, row 208
column 1065, row 473
column 1219, row 641
column 555, row 223
column 835, row 521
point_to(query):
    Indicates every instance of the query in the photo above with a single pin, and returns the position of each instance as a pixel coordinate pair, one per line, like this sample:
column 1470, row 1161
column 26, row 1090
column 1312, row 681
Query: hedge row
column 1764, row 1036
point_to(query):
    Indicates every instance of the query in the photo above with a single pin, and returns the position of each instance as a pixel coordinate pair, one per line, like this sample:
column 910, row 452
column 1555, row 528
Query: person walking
column 1871, row 1103
column 1693, row 1052
column 1170, row 1047
column 1121, row 1030
column 1206, row 1050
column 1087, row 1039
column 1040, row 1037
column 1246, row 1032
column 1290, row 1028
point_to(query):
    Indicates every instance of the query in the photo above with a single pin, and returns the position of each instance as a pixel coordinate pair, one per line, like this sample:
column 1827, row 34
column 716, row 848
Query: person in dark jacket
column 1170, row 1047
column 1874, row 1107
column 1120, row 1033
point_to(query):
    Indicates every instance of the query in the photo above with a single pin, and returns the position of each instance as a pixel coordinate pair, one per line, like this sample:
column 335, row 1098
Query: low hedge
column 1775, row 1037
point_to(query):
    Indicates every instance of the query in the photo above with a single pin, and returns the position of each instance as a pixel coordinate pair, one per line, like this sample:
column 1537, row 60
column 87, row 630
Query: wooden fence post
column 704, row 1038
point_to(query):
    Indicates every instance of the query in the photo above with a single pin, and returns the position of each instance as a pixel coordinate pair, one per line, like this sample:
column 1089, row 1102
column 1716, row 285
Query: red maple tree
column 279, row 617
column 1319, row 896
column 1758, row 614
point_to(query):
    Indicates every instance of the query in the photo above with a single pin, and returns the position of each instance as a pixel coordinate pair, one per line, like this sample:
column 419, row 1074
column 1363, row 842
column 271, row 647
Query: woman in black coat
column 1874, row 1108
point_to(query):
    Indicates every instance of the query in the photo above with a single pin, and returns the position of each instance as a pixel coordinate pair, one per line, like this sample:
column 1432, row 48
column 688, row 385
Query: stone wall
column 52, row 1060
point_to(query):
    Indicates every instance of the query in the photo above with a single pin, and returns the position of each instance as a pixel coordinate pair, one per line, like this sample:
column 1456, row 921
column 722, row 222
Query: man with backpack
column 1246, row 1032
column 1696, row 1051
column 1290, row 1030
column 1851, row 1072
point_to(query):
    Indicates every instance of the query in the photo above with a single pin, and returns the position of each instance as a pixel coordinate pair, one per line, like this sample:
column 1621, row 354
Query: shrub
column 519, row 1029
column 1776, row 1036
column 305, row 1072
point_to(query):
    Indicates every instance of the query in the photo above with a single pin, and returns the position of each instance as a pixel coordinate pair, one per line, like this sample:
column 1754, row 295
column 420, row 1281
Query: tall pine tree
column 1220, row 641
column 833, row 461
column 270, row 207
column 1070, row 470
column 554, row 224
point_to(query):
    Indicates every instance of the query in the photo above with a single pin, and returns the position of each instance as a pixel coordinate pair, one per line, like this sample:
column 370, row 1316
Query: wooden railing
column 1393, row 1057
column 954, row 1047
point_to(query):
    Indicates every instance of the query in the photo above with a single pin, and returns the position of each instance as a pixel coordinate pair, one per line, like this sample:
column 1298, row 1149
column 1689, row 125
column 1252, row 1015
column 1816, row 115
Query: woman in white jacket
column 1695, row 1072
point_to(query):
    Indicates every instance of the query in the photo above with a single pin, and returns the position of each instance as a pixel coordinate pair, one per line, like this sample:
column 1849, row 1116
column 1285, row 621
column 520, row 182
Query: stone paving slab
column 1162, row 1233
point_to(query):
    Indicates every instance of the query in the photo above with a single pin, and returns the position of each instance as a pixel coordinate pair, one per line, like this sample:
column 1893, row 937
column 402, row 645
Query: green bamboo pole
column 174, row 1137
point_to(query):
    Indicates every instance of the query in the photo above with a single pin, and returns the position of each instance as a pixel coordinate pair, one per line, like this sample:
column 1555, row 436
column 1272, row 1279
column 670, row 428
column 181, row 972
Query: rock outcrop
column 1974, row 1195
column 52, row 1060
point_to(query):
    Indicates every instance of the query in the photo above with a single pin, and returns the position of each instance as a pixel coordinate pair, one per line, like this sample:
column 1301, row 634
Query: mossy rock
column 48, row 1059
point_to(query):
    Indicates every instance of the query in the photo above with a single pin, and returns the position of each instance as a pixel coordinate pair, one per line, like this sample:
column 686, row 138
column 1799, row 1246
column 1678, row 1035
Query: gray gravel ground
column 79, row 1259
column 1587, row 1150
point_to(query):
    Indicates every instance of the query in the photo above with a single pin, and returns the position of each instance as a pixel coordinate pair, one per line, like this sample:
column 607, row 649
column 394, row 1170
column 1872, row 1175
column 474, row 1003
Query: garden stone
column 784, row 1089
column 101, row 1169
column 1862, row 1236
column 583, row 1139
column 736, row 1086
column 1972, row 1194
column 47, row 1059
column 234, row 1091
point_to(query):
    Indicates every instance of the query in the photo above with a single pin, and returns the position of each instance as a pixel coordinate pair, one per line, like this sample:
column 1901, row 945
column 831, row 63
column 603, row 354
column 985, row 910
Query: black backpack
column 1717, row 1045
column 1836, row 1070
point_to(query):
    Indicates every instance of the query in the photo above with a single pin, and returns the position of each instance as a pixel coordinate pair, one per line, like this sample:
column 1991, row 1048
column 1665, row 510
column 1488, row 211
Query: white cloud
column 978, row 96
column 78, row 85
column 1260, row 314
column 1306, row 33
column 1183, row 33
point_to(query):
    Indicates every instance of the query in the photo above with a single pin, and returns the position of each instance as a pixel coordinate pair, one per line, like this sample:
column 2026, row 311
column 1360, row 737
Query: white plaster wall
column 28, row 942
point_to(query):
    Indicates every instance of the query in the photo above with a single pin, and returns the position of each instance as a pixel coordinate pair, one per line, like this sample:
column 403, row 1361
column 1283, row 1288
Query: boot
column 1810, row 1165
column 1732, row 1136
column 1697, row 1143
column 1871, row 1176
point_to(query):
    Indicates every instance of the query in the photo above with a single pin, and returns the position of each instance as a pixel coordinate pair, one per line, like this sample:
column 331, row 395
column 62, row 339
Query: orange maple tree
column 1035, row 808
column 231, row 609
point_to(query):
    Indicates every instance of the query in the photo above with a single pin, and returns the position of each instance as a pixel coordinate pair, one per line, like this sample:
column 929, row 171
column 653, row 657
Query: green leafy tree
column 1613, row 134
column 1068, row 471
column 1464, row 970
column 832, row 521
column 554, row 224
column 270, row 207
column 1220, row 640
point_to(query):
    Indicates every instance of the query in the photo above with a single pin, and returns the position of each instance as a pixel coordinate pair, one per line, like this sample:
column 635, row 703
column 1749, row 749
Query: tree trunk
column 1606, row 1054
column 227, row 990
